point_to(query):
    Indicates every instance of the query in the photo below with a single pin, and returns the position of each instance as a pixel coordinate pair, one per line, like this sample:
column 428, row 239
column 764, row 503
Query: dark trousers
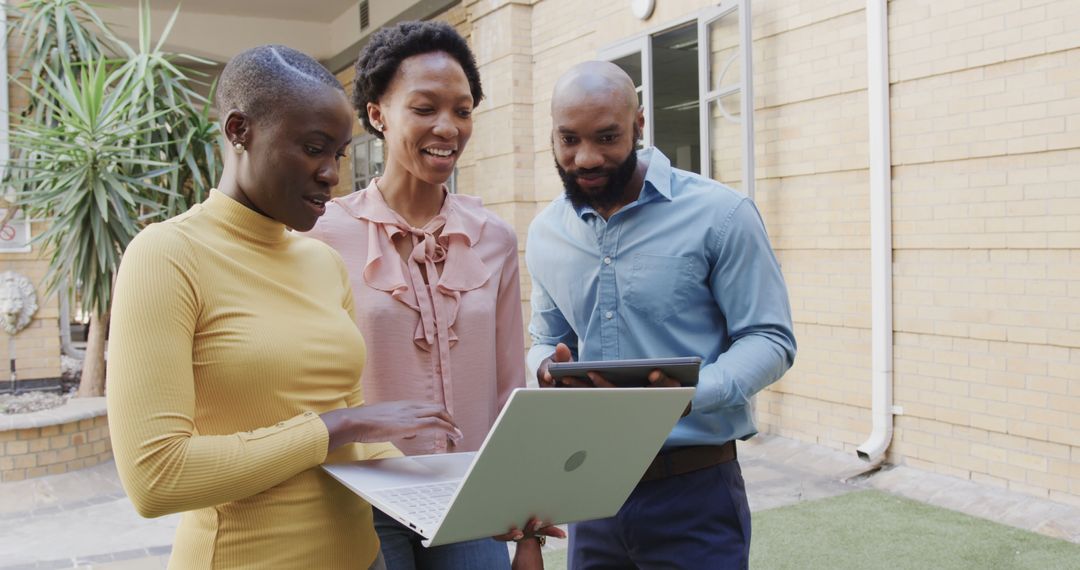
column 698, row 520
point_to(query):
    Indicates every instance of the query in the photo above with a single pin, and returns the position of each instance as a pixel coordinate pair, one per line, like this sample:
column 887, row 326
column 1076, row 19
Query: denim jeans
column 402, row 550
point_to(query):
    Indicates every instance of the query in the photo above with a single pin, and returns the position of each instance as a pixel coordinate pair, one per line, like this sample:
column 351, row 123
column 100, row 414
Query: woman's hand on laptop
column 527, row 554
column 533, row 529
column 387, row 421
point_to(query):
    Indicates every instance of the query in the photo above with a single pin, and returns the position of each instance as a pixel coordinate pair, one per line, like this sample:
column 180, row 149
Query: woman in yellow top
column 234, row 359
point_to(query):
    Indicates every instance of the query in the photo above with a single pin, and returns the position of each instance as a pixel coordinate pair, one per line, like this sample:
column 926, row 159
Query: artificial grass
column 555, row 560
column 872, row 529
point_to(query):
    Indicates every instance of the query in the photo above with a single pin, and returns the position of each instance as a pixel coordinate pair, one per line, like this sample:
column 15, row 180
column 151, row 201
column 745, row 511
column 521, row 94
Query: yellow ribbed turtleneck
column 229, row 336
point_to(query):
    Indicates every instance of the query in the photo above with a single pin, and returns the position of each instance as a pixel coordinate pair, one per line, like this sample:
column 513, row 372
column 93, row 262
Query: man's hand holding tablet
column 561, row 370
column 638, row 373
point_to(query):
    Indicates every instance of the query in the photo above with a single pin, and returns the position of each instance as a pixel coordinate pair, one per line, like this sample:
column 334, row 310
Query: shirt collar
column 243, row 220
column 658, row 176
column 460, row 219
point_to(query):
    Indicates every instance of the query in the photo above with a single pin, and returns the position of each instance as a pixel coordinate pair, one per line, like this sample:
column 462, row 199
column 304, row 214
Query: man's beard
column 601, row 198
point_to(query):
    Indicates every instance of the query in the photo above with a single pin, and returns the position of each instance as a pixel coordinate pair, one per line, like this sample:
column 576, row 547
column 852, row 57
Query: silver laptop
column 561, row 454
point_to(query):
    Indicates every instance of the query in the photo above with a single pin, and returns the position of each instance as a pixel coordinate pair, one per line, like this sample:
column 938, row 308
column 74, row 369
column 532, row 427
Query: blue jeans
column 402, row 549
column 693, row 521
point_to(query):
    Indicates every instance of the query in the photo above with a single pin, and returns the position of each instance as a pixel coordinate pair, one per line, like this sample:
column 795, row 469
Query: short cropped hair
column 380, row 58
column 261, row 80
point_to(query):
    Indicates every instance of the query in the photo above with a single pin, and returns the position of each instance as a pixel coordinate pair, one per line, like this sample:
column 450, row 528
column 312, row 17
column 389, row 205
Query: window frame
column 642, row 43
column 368, row 140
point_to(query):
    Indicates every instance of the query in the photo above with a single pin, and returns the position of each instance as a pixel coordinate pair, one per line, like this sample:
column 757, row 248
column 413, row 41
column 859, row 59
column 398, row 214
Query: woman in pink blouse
column 434, row 274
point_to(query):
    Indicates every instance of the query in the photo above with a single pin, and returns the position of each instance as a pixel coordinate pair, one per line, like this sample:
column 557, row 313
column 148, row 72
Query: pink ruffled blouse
column 458, row 341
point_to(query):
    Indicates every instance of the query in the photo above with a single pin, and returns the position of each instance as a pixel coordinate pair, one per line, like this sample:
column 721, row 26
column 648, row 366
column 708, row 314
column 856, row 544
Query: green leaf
column 168, row 27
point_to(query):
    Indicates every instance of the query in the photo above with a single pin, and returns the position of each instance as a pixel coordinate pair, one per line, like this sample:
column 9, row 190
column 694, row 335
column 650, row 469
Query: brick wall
column 986, row 139
column 37, row 347
column 811, row 132
column 52, row 450
column 986, row 210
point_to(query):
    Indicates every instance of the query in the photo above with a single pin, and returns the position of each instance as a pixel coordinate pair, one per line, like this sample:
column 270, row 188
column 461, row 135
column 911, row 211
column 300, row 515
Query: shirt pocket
column 657, row 284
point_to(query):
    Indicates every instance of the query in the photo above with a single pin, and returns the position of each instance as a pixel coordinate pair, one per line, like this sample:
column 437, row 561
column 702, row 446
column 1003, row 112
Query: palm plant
column 190, row 136
column 113, row 137
column 52, row 31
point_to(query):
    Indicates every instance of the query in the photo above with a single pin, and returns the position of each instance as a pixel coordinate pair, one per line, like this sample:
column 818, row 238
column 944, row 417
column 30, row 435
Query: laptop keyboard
column 424, row 504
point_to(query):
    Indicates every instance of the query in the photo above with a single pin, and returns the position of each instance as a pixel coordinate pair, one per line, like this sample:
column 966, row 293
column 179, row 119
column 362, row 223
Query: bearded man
column 641, row 260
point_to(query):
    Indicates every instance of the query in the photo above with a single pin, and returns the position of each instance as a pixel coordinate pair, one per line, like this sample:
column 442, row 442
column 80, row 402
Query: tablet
column 631, row 373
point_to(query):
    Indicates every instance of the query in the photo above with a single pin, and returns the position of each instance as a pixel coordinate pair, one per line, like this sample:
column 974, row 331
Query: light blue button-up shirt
column 685, row 270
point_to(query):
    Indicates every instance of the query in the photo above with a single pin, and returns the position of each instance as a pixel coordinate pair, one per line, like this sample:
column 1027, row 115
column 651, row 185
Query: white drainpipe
column 881, row 335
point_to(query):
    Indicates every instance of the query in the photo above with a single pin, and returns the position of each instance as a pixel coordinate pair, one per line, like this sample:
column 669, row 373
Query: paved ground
column 83, row 520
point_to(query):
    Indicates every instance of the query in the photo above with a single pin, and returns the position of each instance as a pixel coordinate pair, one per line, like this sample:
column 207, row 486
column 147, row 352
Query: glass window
column 367, row 160
column 728, row 134
column 631, row 64
column 725, row 126
column 697, row 100
column 676, row 128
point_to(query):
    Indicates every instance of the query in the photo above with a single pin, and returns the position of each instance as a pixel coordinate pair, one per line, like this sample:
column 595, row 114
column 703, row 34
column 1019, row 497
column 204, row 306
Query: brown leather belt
column 682, row 460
